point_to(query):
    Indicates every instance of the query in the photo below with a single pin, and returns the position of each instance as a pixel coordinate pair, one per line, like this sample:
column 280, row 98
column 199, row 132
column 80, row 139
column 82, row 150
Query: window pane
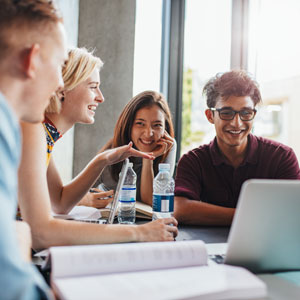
column 207, row 48
column 274, row 59
column 147, row 52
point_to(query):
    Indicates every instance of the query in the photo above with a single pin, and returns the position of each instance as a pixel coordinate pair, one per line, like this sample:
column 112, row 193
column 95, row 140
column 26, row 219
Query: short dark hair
column 16, row 16
column 237, row 83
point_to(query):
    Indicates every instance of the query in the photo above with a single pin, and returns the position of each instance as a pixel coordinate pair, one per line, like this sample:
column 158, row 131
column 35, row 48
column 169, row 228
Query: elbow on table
column 42, row 236
column 180, row 213
column 60, row 208
column 39, row 240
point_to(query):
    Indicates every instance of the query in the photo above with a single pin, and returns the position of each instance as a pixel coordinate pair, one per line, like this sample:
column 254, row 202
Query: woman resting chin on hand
column 146, row 121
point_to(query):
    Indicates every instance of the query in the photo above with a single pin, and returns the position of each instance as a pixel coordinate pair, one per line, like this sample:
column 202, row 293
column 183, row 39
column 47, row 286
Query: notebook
column 153, row 270
column 264, row 236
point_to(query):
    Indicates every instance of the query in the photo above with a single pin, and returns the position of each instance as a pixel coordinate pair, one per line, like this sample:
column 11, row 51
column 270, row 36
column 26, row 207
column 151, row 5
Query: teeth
column 235, row 132
column 92, row 107
column 148, row 143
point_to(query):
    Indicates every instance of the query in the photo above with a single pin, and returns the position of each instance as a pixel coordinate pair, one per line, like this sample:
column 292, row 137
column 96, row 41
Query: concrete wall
column 63, row 150
column 109, row 27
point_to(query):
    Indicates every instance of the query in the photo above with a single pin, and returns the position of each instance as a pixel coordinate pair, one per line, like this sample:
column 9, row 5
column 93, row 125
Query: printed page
column 217, row 282
column 104, row 259
column 80, row 212
column 143, row 209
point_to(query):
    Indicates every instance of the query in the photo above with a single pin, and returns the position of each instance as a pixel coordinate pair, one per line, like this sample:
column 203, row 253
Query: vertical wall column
column 63, row 150
column 107, row 26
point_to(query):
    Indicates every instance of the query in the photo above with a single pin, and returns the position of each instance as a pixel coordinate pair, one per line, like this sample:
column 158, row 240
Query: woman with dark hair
column 147, row 122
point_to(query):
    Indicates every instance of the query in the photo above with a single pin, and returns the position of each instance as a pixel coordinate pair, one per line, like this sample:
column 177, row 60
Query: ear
column 61, row 94
column 210, row 116
column 30, row 60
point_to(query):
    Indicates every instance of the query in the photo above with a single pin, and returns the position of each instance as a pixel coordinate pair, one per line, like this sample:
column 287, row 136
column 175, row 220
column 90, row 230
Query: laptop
column 265, row 232
column 115, row 202
column 40, row 257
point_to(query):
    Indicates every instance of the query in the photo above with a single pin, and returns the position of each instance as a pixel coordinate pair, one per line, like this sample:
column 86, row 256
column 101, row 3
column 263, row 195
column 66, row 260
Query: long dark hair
column 122, row 132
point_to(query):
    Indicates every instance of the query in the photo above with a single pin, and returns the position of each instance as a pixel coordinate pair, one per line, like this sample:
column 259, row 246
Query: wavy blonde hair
column 79, row 66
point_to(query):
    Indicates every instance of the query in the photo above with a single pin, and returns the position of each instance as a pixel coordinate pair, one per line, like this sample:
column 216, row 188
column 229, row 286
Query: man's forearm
column 195, row 212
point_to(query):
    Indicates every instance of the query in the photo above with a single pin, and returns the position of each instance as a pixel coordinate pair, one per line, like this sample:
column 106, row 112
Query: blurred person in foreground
column 32, row 53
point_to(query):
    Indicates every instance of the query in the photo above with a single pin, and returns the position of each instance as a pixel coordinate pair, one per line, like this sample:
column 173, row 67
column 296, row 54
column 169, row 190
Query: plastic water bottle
column 163, row 193
column 127, row 198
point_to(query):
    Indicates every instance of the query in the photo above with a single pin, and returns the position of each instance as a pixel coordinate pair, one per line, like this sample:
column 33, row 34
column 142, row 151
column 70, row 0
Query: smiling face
column 232, row 133
column 148, row 127
column 81, row 102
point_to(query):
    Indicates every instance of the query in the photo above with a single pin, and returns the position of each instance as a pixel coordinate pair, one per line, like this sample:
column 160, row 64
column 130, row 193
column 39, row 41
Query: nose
column 100, row 97
column 148, row 131
column 236, row 121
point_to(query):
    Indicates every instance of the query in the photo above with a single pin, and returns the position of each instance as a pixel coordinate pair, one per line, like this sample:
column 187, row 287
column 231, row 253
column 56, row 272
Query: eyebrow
column 141, row 119
column 94, row 82
column 229, row 107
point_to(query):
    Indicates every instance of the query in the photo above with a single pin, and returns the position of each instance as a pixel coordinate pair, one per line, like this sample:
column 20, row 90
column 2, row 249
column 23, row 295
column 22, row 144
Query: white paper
column 218, row 282
column 80, row 212
column 103, row 259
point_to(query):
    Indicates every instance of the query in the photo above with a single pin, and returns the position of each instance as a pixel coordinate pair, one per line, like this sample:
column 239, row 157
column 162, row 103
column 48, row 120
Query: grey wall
column 108, row 26
column 63, row 150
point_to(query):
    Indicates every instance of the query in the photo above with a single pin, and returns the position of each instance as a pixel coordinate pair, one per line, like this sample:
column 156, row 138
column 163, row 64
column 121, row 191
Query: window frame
column 173, row 18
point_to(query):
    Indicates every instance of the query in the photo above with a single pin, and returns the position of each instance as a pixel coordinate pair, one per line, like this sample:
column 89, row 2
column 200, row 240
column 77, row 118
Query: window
column 147, row 53
column 265, row 41
column 207, row 50
column 274, row 58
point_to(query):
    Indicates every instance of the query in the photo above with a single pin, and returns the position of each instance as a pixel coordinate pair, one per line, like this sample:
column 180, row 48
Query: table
column 278, row 288
column 206, row 234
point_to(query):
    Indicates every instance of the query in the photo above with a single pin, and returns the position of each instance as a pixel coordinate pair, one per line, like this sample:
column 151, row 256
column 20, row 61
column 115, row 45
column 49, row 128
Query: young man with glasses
column 209, row 178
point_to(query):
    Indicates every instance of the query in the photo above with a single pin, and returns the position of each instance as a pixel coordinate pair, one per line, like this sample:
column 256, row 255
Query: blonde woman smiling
column 39, row 183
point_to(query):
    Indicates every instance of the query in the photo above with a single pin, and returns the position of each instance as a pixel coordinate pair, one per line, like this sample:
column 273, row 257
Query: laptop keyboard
column 219, row 259
column 97, row 221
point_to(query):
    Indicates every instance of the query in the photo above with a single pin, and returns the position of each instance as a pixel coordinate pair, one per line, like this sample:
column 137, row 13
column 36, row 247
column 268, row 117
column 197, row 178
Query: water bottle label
column 163, row 203
column 127, row 194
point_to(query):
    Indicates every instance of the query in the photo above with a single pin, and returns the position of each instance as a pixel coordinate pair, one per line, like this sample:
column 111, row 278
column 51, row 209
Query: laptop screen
column 114, row 204
column 264, row 235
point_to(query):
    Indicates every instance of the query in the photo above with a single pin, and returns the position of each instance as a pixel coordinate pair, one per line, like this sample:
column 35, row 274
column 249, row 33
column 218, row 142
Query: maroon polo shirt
column 204, row 174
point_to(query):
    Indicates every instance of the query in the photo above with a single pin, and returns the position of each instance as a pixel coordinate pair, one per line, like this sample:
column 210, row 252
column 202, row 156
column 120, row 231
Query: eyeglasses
column 228, row 114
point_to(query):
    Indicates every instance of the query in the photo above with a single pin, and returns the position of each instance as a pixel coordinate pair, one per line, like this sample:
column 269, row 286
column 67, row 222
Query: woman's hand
column 97, row 198
column 158, row 230
column 115, row 155
column 163, row 145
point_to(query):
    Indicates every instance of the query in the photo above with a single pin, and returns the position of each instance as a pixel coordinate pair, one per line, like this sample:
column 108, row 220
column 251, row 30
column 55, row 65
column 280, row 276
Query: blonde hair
column 79, row 66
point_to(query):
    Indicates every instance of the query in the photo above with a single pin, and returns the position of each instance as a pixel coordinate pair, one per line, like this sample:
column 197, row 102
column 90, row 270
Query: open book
column 80, row 213
column 162, row 270
column 142, row 210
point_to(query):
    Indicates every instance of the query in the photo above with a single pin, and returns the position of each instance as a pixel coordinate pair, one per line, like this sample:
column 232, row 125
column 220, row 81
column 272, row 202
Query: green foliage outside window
column 188, row 136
